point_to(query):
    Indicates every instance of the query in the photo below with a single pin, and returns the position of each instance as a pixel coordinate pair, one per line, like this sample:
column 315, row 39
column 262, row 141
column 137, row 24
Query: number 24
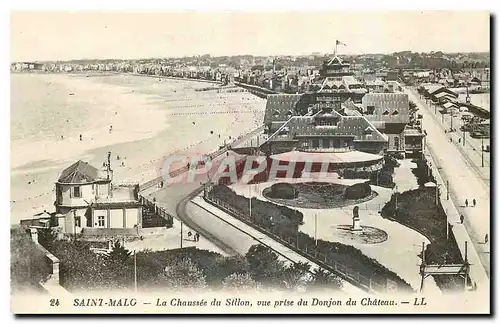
column 54, row 302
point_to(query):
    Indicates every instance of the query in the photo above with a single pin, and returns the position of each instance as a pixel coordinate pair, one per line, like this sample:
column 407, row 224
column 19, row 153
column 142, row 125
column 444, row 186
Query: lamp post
column 181, row 235
column 316, row 229
column 451, row 121
column 135, row 271
column 396, row 197
column 463, row 135
column 250, row 199
column 482, row 152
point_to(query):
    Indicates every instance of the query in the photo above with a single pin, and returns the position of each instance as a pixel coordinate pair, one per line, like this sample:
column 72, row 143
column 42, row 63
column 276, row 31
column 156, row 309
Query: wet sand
column 152, row 118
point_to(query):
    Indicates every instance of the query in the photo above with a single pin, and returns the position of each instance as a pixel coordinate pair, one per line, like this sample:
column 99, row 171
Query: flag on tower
column 340, row 43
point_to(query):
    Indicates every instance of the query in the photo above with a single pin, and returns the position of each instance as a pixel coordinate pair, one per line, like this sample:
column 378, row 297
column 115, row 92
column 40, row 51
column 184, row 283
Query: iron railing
column 310, row 252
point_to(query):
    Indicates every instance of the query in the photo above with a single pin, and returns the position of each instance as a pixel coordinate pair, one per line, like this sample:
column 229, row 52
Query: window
column 396, row 143
column 77, row 192
column 395, row 112
column 78, row 221
column 315, row 143
column 386, row 113
column 100, row 221
column 370, row 110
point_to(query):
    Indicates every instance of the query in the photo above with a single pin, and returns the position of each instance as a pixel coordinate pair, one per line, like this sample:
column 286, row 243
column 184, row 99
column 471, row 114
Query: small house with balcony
column 87, row 198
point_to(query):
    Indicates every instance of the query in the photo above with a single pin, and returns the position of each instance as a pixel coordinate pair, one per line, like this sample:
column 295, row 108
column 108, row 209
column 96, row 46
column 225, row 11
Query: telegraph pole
column 316, row 229
column 135, row 271
column 463, row 140
column 482, row 152
column 181, row 235
column 250, row 199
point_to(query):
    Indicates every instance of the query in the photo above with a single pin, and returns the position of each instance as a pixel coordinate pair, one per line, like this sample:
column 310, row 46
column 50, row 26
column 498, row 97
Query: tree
column 295, row 275
column 82, row 269
column 118, row 254
column 46, row 237
column 264, row 265
column 322, row 279
column 119, row 264
column 239, row 282
column 28, row 264
column 183, row 275
column 53, row 220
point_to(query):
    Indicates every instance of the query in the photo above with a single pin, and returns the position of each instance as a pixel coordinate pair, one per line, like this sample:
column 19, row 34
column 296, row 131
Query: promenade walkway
column 261, row 238
column 464, row 183
column 471, row 151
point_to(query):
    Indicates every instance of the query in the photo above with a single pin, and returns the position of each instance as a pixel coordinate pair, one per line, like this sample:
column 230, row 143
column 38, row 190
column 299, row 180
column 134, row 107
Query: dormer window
column 370, row 110
column 386, row 113
column 276, row 113
column 367, row 131
column 395, row 112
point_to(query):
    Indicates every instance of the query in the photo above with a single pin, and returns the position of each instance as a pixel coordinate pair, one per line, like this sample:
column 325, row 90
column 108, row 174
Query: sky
column 43, row 36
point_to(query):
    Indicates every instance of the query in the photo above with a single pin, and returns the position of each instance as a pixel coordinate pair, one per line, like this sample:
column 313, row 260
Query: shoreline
column 31, row 183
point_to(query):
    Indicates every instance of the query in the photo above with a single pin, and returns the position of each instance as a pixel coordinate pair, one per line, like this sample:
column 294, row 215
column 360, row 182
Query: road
column 472, row 148
column 464, row 181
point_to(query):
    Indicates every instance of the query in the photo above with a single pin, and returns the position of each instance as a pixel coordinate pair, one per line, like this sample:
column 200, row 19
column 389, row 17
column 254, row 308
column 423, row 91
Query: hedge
column 358, row 191
column 283, row 191
column 264, row 213
column 347, row 255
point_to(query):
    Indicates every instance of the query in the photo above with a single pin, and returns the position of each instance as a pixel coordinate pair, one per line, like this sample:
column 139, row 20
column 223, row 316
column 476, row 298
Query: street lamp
column 482, row 152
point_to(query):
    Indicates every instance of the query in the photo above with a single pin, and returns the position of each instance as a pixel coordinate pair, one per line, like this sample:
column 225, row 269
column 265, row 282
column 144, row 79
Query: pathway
column 464, row 183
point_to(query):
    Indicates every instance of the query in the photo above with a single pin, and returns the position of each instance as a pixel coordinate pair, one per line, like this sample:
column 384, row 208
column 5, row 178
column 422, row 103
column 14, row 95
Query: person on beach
column 62, row 137
column 474, row 202
column 461, row 219
column 111, row 129
column 466, row 203
column 486, row 237
column 81, row 137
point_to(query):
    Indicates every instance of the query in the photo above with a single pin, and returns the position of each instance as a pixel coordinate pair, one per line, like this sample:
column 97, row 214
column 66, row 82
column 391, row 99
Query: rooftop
column 331, row 157
column 79, row 172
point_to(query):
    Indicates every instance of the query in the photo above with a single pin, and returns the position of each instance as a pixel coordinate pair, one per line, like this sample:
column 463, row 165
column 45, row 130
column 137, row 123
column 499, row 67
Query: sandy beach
column 151, row 118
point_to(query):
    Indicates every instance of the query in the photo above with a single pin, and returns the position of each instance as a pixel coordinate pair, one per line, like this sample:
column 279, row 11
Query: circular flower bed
column 319, row 195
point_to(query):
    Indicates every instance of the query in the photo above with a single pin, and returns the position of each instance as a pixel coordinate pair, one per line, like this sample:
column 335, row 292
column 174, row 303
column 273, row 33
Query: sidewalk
column 265, row 240
column 464, row 183
column 472, row 150
column 477, row 272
